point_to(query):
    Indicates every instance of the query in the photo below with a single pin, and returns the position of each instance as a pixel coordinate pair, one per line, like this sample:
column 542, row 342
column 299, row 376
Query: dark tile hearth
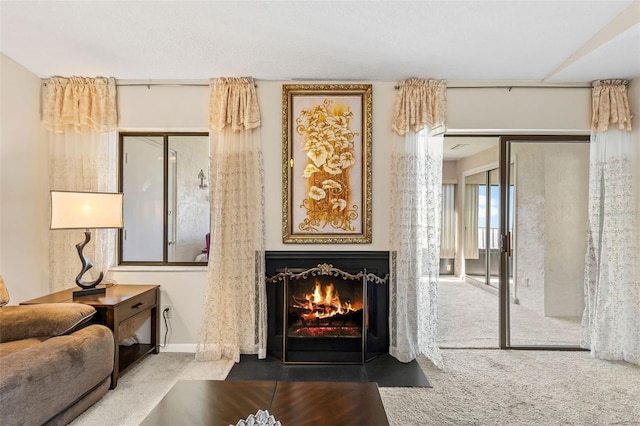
column 384, row 370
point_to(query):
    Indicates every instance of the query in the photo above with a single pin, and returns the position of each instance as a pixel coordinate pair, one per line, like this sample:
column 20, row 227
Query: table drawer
column 136, row 304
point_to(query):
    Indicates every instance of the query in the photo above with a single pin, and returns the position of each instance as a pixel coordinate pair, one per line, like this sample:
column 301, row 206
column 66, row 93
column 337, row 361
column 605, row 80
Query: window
column 164, row 178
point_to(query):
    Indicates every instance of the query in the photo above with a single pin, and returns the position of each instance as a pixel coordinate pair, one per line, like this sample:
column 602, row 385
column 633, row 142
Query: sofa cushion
column 7, row 348
column 41, row 381
column 4, row 293
column 45, row 320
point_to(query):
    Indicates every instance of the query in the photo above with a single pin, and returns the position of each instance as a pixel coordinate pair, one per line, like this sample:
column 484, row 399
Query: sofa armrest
column 43, row 380
column 45, row 320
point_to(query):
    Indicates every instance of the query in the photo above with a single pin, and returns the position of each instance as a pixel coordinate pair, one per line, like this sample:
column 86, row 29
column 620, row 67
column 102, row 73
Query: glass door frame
column 488, row 172
column 506, row 238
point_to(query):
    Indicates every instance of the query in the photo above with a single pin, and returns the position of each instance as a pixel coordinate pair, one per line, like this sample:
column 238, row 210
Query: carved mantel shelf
column 327, row 269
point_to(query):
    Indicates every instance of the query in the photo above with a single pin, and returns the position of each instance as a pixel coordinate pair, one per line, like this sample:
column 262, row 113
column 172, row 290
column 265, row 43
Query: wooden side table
column 120, row 303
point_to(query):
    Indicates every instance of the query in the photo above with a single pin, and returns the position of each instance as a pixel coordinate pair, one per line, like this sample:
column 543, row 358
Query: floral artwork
column 328, row 143
column 326, row 157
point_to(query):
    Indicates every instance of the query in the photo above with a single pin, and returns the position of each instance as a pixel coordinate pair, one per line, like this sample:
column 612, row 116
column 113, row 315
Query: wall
column 270, row 95
column 164, row 108
column 186, row 108
column 530, row 225
column 566, row 176
column 449, row 172
column 521, row 110
column 551, row 202
column 24, row 185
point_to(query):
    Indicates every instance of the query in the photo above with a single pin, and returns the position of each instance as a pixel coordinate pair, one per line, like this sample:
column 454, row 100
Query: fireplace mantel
column 375, row 261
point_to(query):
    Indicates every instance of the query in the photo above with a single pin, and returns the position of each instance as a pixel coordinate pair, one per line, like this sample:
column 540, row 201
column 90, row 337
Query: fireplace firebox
column 326, row 313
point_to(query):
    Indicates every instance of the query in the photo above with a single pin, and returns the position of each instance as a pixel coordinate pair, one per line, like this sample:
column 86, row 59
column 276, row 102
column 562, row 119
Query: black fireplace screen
column 325, row 314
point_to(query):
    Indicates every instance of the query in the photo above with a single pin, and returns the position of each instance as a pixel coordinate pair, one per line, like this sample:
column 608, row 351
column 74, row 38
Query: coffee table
column 216, row 402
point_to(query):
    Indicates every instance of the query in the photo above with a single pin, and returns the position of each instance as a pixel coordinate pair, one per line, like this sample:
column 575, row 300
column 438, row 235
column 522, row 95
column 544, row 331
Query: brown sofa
column 54, row 364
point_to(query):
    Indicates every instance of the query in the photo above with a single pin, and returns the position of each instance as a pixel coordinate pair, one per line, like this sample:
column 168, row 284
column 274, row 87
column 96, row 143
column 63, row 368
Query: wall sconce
column 201, row 175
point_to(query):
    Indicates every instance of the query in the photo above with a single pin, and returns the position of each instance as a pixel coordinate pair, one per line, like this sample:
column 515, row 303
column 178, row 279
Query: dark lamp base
column 89, row 291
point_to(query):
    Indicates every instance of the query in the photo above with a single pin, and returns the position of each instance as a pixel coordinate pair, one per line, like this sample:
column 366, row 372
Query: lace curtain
column 612, row 287
column 234, row 313
column 416, row 170
column 80, row 116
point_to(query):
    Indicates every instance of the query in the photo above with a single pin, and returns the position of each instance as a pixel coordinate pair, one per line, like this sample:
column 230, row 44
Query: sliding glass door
column 543, row 243
column 481, row 216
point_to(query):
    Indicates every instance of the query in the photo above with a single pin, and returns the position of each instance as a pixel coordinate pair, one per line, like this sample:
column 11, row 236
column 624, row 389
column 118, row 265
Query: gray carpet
column 476, row 387
column 468, row 318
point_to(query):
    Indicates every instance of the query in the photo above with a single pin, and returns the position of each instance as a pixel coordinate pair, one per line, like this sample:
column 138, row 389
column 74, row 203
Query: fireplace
column 327, row 307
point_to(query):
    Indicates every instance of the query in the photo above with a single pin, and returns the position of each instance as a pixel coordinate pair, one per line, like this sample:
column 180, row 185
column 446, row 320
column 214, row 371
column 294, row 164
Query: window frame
column 165, row 191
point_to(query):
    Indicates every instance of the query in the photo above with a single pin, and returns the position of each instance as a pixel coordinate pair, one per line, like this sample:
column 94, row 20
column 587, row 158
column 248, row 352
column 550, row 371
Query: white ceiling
column 458, row 147
column 567, row 41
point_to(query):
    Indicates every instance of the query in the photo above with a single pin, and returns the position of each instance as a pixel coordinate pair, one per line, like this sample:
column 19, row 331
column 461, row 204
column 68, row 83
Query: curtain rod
column 167, row 84
column 148, row 85
column 511, row 87
column 395, row 87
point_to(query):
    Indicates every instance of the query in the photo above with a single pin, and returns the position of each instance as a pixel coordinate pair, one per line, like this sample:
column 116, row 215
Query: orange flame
column 324, row 302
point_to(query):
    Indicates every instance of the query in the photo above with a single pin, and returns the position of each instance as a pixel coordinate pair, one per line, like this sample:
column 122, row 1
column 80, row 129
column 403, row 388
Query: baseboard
column 179, row 347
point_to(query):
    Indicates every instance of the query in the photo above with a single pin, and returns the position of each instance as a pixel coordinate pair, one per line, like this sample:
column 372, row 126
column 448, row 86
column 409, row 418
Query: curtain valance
column 420, row 103
column 610, row 105
column 87, row 104
column 233, row 101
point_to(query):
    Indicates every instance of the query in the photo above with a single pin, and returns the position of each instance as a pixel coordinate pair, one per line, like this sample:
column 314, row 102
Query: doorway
column 520, row 245
column 544, row 187
column 468, row 299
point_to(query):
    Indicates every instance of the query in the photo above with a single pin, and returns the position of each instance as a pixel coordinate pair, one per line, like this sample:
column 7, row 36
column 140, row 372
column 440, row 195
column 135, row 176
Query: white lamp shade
column 84, row 210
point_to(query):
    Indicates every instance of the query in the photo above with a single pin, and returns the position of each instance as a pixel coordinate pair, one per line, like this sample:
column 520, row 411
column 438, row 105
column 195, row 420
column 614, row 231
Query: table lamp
column 86, row 210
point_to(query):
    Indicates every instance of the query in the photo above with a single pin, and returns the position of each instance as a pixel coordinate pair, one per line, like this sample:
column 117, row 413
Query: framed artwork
column 326, row 163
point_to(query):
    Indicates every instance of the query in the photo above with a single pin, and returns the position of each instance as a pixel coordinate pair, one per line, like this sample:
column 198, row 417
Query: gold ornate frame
column 326, row 163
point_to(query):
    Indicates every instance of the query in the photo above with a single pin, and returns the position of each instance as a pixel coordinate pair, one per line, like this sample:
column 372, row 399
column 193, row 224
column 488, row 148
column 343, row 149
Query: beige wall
column 449, row 172
column 551, row 206
column 24, row 186
column 186, row 108
column 182, row 108
column 523, row 110
column 164, row 108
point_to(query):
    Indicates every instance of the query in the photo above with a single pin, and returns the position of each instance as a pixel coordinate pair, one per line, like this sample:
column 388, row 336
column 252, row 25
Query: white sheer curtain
column 234, row 314
column 611, row 320
column 448, row 227
column 471, row 200
column 416, row 176
column 80, row 116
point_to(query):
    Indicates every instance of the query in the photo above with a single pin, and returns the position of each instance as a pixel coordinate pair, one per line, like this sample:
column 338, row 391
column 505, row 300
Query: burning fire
column 323, row 302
